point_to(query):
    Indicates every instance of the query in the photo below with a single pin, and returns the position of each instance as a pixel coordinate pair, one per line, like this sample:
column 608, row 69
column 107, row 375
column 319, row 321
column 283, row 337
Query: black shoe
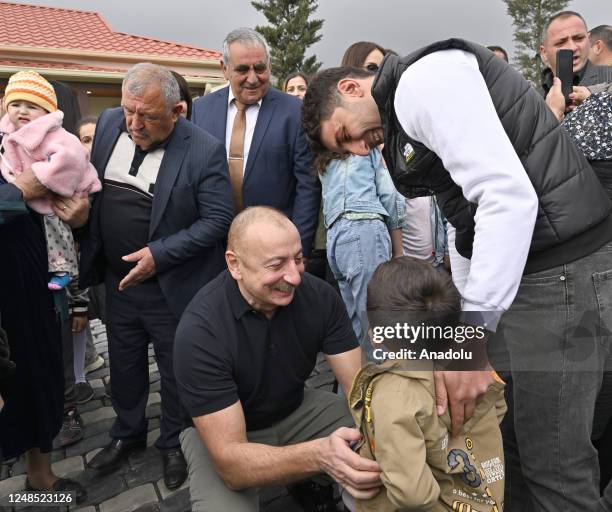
column 175, row 469
column 63, row 485
column 115, row 453
column 84, row 392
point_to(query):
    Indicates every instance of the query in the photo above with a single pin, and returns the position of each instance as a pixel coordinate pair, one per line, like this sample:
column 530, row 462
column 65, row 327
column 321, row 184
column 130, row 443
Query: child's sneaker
column 59, row 281
column 72, row 428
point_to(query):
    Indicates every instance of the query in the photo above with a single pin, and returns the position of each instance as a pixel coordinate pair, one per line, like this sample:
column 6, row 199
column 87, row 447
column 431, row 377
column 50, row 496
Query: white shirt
column 417, row 238
column 251, row 120
column 443, row 102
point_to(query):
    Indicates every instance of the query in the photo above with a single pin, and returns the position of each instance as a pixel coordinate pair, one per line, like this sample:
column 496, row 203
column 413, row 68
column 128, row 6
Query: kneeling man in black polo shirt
column 244, row 347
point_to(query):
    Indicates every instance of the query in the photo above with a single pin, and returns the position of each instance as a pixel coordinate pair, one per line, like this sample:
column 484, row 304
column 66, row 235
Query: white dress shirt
column 443, row 102
column 251, row 120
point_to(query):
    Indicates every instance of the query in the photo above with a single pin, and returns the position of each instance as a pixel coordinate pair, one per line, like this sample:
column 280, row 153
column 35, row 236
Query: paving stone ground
column 138, row 484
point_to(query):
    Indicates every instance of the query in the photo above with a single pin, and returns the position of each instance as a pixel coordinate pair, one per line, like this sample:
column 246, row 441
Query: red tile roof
column 38, row 64
column 50, row 27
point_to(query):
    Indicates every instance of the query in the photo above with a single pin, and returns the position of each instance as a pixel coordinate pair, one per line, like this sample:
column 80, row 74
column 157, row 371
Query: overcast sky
column 402, row 25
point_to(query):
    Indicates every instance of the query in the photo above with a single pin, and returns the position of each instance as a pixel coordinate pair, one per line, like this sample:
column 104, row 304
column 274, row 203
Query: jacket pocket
column 277, row 157
column 182, row 206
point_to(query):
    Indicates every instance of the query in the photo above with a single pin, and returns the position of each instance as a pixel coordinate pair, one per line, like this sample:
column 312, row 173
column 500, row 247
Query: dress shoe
column 115, row 453
column 63, row 485
column 175, row 469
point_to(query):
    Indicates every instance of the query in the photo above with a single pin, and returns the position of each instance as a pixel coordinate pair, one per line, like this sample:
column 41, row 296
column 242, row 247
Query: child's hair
column 184, row 90
column 410, row 284
column 31, row 87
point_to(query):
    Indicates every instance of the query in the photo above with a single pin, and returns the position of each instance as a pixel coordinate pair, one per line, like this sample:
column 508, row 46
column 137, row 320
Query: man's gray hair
column 246, row 36
column 143, row 75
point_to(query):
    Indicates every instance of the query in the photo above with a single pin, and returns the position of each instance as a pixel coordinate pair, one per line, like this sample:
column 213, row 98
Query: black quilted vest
column 574, row 212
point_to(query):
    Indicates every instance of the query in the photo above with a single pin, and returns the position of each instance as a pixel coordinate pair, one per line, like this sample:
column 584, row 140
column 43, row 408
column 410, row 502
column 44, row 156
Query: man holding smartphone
column 568, row 30
column 532, row 218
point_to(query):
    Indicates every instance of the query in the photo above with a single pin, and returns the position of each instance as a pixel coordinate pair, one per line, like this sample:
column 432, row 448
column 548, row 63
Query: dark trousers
column 558, row 337
column 137, row 317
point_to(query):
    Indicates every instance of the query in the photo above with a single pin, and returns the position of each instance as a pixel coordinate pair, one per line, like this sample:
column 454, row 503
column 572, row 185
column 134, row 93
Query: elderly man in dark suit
column 155, row 236
column 269, row 159
column 568, row 30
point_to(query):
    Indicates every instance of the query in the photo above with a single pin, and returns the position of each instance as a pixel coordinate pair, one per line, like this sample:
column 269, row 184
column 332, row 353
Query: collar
column 231, row 97
column 548, row 75
column 238, row 303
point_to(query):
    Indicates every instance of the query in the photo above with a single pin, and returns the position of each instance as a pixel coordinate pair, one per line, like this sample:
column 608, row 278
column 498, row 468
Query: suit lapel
column 168, row 171
column 107, row 142
column 218, row 116
column 264, row 117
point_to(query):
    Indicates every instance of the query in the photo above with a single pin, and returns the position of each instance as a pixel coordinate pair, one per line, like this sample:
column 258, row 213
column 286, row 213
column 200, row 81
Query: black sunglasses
column 372, row 67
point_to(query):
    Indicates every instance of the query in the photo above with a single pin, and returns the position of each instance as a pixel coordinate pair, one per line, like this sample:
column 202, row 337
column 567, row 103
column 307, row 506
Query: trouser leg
column 320, row 414
column 359, row 247
column 68, row 361
column 127, row 349
column 161, row 324
column 558, row 337
column 207, row 491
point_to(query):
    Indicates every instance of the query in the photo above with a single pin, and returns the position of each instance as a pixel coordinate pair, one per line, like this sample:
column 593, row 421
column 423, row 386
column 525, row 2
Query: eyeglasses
column 372, row 67
column 259, row 68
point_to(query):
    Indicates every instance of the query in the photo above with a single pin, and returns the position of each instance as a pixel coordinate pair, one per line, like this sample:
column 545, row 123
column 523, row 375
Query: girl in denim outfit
column 364, row 215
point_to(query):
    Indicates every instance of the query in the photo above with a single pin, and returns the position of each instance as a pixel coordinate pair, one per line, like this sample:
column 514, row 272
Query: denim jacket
column 361, row 184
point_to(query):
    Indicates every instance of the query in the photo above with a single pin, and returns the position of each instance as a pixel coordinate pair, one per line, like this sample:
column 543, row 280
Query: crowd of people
column 254, row 236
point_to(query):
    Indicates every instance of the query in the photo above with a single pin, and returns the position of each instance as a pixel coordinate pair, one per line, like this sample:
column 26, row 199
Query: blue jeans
column 558, row 336
column 355, row 248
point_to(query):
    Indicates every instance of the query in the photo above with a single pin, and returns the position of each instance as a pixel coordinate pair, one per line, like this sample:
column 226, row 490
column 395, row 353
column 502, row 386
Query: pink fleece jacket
column 56, row 157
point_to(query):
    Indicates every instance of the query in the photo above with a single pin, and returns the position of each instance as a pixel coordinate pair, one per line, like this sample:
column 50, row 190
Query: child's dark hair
column 410, row 284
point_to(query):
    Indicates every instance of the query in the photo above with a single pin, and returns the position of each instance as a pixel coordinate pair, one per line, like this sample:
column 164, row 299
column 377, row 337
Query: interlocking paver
column 101, row 486
column 152, row 436
column 165, row 492
column 91, row 405
column 69, row 465
column 90, row 455
column 96, row 383
column 98, row 415
column 145, row 466
column 15, row 483
column 130, row 500
column 177, row 502
column 88, row 444
column 154, row 398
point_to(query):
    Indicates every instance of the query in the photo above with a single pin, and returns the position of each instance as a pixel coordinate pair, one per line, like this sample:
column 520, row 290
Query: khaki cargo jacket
column 423, row 467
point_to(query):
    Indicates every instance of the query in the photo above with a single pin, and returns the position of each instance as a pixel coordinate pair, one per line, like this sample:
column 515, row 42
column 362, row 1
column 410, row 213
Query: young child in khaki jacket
column 424, row 468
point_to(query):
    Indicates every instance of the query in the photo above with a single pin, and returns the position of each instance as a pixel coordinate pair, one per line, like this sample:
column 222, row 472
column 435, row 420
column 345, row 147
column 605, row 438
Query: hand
column 29, row 185
column 79, row 322
column 74, row 210
column 460, row 389
column 579, row 95
column 145, row 268
column 555, row 100
column 358, row 475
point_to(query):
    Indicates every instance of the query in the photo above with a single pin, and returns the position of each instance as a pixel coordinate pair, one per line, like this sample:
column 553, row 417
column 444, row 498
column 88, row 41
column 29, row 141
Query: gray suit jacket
column 596, row 74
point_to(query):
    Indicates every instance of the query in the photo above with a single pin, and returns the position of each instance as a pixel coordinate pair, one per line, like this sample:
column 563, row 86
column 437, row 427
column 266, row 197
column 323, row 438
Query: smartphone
column 565, row 72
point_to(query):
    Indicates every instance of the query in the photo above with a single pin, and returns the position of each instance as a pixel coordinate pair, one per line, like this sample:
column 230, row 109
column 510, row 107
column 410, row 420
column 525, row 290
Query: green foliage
column 529, row 18
column 289, row 34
